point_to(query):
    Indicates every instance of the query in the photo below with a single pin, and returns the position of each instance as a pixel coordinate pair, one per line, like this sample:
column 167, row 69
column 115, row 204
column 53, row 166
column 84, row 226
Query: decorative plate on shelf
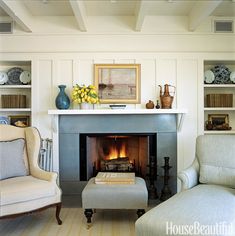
column 25, row 77
column 222, row 74
column 209, row 77
column 4, row 120
column 14, row 76
column 3, row 77
column 232, row 76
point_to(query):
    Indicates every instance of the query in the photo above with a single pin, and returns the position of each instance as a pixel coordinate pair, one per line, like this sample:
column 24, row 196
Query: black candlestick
column 152, row 177
column 166, row 192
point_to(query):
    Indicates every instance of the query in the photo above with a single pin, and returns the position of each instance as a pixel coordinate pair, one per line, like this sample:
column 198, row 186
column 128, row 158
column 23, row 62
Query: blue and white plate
column 25, row 77
column 232, row 77
column 3, row 77
column 209, row 77
column 14, row 76
column 4, row 120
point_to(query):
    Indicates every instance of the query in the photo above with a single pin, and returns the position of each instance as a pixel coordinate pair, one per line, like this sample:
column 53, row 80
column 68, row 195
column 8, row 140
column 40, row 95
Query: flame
column 116, row 152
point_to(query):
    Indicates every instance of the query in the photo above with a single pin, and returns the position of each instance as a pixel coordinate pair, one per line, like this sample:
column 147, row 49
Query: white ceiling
column 82, row 9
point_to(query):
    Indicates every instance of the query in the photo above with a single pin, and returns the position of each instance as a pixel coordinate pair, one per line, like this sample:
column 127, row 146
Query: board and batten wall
column 172, row 58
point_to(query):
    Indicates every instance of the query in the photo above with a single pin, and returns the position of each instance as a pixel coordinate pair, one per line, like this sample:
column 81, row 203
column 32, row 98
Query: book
column 115, row 178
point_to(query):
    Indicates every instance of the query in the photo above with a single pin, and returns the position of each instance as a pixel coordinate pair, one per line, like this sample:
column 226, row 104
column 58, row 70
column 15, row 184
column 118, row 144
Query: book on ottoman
column 115, row 178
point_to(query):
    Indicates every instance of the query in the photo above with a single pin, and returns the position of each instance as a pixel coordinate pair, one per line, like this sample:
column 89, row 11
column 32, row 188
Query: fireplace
column 116, row 152
column 77, row 133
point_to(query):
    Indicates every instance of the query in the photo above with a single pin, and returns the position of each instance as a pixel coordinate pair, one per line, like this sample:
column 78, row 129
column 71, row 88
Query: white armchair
column 24, row 187
column 208, row 193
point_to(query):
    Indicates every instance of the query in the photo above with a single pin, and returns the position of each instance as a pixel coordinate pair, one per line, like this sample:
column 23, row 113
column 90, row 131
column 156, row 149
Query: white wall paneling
column 42, row 97
column 187, row 96
column 148, row 81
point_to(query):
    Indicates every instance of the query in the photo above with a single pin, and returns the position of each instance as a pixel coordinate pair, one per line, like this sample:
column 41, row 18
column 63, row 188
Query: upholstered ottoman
column 114, row 196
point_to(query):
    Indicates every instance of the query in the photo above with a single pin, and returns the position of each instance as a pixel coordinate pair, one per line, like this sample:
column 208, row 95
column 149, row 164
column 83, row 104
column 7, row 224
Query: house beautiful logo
column 221, row 228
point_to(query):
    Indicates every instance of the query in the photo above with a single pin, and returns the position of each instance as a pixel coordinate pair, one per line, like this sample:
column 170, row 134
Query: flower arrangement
column 84, row 93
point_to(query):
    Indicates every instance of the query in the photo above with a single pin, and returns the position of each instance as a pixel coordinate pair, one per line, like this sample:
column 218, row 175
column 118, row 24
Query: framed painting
column 19, row 120
column 218, row 119
column 118, row 83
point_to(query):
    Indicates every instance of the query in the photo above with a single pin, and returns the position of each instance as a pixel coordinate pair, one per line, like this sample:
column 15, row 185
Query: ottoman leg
column 88, row 213
column 140, row 212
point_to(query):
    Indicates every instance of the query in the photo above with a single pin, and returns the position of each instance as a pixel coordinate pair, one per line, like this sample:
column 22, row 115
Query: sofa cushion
column 12, row 159
column 25, row 188
column 216, row 156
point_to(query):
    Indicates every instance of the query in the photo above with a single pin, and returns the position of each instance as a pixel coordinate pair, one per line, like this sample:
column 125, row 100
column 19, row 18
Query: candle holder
column 166, row 192
column 152, row 190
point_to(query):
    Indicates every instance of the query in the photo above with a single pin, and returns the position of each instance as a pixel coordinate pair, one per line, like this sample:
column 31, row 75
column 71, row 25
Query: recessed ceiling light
column 113, row 1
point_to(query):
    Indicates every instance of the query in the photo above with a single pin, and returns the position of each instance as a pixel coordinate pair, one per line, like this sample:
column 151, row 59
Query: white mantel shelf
column 179, row 112
column 116, row 111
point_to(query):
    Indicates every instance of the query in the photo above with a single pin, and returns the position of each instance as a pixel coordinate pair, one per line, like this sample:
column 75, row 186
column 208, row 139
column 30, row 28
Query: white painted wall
column 67, row 57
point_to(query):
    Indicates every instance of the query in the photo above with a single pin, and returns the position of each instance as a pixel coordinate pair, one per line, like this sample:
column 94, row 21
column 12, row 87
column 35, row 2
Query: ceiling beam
column 17, row 11
column 200, row 11
column 141, row 11
column 79, row 13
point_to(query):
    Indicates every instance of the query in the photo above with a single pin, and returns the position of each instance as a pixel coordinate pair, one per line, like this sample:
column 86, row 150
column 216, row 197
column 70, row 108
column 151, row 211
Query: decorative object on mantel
column 117, row 106
column 62, row 100
column 166, row 98
column 150, row 105
column 166, row 192
column 158, row 105
column 84, row 95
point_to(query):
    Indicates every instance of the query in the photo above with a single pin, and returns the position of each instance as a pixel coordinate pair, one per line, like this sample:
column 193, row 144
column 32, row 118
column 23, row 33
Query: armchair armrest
column 189, row 177
column 44, row 175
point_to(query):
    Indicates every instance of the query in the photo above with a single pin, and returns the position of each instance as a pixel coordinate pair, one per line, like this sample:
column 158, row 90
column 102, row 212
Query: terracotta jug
column 165, row 97
column 150, row 105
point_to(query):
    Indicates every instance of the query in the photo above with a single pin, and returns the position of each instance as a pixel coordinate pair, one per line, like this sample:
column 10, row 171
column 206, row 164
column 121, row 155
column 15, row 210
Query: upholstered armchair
column 24, row 187
column 207, row 197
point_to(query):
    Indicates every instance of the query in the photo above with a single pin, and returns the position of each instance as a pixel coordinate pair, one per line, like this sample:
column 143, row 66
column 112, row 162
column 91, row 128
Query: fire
column 117, row 151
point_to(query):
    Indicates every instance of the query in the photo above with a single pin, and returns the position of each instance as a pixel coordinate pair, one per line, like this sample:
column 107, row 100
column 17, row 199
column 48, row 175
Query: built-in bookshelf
column 15, row 99
column 219, row 99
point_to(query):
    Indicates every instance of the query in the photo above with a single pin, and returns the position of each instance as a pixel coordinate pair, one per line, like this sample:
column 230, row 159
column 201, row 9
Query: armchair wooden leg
column 57, row 214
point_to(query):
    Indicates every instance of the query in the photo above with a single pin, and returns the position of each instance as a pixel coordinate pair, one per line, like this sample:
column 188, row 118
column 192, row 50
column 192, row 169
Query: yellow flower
column 82, row 93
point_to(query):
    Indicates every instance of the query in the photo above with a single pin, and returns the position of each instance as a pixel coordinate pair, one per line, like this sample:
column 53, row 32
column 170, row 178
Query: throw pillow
column 12, row 159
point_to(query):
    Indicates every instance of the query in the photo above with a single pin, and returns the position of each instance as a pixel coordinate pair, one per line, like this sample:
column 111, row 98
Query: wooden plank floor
column 105, row 222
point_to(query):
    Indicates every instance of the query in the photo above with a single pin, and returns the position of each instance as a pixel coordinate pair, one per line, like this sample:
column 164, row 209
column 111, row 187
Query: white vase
column 87, row 106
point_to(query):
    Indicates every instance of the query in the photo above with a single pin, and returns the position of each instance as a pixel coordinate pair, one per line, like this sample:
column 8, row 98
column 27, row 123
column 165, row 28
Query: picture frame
column 117, row 83
column 20, row 120
column 218, row 119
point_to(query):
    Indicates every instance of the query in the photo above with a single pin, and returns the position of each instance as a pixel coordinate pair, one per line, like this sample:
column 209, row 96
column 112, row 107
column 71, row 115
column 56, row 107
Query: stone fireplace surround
column 69, row 124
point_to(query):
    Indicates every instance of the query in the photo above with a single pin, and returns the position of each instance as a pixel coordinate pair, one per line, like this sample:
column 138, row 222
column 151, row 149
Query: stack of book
column 115, row 178
column 219, row 100
column 13, row 101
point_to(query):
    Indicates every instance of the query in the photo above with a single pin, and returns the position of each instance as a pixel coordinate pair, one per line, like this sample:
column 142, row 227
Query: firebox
column 116, row 153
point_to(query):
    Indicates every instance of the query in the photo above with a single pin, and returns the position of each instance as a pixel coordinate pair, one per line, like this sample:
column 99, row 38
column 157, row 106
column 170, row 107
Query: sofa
column 24, row 187
column 207, row 198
